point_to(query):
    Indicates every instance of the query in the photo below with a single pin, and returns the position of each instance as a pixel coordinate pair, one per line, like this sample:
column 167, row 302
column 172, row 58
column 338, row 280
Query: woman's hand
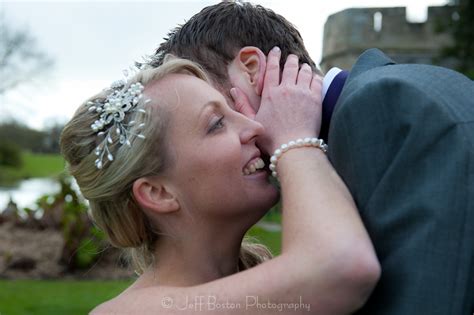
column 290, row 108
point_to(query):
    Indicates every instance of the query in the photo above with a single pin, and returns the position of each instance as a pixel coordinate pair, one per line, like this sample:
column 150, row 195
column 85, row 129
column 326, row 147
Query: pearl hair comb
column 112, row 113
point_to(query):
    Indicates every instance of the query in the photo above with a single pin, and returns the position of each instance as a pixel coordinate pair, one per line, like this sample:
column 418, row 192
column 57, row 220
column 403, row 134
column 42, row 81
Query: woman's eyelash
column 217, row 125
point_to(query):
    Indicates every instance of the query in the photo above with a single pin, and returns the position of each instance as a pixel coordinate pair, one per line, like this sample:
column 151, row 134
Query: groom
column 401, row 137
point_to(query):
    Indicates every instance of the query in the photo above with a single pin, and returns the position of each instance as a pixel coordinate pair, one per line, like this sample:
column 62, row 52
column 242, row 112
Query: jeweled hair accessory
column 112, row 111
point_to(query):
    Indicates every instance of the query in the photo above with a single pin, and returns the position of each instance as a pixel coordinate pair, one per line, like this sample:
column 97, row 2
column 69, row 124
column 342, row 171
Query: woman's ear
column 154, row 195
column 251, row 61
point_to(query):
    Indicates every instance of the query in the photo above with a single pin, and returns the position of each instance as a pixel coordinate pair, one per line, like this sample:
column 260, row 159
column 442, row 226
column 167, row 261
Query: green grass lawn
column 35, row 297
column 271, row 239
column 34, row 165
column 274, row 214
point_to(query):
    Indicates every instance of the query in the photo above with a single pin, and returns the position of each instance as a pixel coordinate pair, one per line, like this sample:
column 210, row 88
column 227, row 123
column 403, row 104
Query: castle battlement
column 349, row 32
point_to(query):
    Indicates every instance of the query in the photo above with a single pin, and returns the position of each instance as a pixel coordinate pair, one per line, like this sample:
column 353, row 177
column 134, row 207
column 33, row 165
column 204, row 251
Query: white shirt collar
column 328, row 78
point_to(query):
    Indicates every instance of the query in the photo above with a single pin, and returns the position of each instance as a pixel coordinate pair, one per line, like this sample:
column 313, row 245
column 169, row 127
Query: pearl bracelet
column 307, row 142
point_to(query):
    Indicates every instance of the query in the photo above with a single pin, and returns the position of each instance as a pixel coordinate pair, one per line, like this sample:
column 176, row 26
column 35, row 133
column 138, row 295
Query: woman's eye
column 217, row 125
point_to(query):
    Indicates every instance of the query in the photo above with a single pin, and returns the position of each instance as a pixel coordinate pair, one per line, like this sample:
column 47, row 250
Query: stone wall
column 349, row 32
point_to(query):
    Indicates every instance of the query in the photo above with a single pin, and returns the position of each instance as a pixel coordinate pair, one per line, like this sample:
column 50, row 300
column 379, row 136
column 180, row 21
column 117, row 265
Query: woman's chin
column 260, row 183
column 266, row 199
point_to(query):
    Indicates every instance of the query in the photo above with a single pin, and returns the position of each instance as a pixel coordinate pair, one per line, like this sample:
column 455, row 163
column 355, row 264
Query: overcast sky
column 92, row 42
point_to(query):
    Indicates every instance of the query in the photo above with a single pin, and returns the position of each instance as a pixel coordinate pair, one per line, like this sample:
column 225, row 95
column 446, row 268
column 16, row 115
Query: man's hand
column 289, row 109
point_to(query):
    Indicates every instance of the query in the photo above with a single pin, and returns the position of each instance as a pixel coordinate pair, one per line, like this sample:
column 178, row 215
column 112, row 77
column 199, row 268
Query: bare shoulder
column 151, row 300
column 112, row 306
column 101, row 310
column 227, row 295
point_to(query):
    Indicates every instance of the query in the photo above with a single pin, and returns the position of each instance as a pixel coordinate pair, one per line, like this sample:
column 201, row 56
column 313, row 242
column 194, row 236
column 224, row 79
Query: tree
column 52, row 134
column 24, row 137
column 462, row 29
column 10, row 154
column 20, row 58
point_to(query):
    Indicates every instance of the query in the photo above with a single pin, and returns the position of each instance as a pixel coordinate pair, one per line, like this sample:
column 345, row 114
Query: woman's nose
column 250, row 129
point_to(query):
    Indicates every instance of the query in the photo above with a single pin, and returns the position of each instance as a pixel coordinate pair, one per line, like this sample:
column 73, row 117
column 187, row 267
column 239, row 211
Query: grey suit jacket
column 402, row 139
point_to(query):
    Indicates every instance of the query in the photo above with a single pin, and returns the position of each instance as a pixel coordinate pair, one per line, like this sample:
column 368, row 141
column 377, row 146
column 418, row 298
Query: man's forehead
column 222, row 86
column 225, row 91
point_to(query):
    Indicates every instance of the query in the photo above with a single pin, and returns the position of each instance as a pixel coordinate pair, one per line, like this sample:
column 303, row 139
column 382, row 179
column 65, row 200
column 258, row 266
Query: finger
column 317, row 84
column 305, row 75
column 272, row 73
column 242, row 104
column 290, row 71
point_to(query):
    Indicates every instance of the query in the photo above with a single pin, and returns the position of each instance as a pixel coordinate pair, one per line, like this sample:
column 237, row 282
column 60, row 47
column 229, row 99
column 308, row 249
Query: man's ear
column 155, row 195
column 252, row 62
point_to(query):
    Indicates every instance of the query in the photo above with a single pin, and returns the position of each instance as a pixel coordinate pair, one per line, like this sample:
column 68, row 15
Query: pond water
column 27, row 192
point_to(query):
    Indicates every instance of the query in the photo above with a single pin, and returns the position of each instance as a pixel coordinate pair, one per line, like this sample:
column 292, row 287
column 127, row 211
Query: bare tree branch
column 20, row 58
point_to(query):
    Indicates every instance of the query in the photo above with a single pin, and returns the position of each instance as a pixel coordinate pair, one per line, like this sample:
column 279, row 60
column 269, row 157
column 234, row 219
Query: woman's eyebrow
column 211, row 105
column 207, row 108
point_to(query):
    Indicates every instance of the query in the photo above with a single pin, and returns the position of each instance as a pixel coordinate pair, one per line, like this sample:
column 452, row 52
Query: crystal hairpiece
column 112, row 112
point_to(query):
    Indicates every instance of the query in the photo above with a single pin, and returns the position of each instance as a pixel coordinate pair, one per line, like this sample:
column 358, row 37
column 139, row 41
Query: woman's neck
column 197, row 257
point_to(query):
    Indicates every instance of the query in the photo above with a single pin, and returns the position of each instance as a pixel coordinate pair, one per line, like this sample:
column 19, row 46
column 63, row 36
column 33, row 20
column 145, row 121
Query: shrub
column 66, row 211
column 10, row 154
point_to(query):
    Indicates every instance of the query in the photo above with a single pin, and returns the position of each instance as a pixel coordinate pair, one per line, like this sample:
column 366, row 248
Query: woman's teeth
column 253, row 166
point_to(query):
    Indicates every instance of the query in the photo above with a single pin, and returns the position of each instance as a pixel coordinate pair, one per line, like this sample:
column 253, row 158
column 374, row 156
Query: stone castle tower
column 349, row 32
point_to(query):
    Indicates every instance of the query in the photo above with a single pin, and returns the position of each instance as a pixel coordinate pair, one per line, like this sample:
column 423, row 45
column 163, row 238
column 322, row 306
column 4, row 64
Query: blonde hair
column 109, row 190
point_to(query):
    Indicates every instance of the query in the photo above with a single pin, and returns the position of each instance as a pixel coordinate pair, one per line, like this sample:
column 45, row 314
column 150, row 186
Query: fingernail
column 233, row 93
column 276, row 49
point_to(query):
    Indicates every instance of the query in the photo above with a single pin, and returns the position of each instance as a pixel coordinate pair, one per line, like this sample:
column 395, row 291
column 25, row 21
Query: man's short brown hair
column 214, row 36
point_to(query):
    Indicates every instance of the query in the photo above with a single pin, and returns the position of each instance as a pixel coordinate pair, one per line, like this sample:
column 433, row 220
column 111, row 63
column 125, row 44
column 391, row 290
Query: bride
column 173, row 174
